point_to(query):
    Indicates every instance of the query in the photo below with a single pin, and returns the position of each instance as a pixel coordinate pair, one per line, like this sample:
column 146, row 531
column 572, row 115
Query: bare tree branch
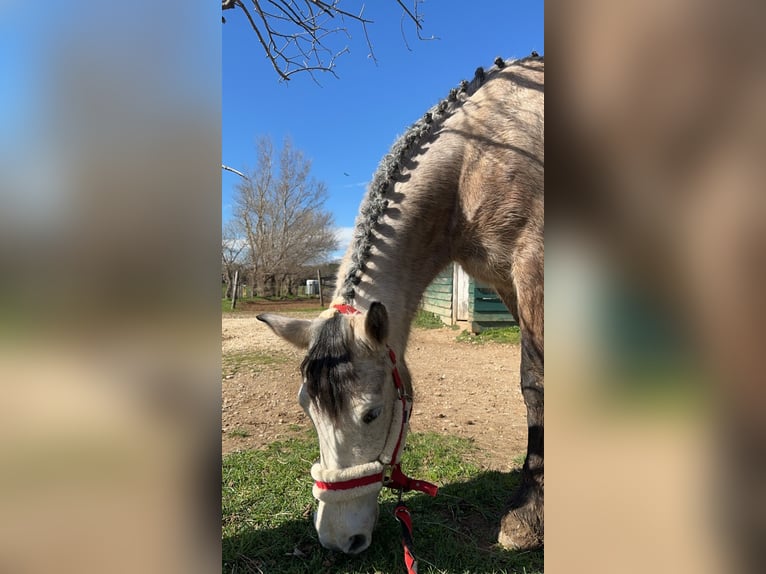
column 292, row 33
column 367, row 39
column 266, row 46
column 412, row 16
column 418, row 19
column 232, row 170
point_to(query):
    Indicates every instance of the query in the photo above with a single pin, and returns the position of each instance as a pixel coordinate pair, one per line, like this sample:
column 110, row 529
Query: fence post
column 319, row 280
column 234, row 290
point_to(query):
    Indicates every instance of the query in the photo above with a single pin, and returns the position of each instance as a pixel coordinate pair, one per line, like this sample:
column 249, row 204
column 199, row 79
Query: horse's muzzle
column 346, row 527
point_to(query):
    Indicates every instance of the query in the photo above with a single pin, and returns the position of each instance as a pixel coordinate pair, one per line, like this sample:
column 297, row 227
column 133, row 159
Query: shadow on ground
column 454, row 532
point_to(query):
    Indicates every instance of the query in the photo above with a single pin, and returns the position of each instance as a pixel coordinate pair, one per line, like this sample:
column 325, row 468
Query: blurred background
column 109, row 321
column 655, row 282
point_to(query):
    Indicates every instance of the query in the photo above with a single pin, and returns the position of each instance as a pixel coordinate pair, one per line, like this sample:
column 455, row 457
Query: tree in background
column 279, row 209
column 232, row 252
column 299, row 35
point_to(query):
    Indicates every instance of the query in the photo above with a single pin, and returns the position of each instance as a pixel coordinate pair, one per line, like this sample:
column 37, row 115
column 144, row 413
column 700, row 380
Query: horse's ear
column 296, row 331
column 376, row 323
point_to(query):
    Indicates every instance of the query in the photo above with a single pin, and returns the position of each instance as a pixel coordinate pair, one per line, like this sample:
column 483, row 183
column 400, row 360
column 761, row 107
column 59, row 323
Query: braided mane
column 375, row 203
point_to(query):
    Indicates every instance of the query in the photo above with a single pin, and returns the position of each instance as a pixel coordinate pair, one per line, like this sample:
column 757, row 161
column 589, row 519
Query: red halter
column 391, row 476
column 385, row 471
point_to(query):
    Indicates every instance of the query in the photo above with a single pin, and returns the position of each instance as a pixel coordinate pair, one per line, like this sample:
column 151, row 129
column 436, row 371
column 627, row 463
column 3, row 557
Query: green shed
column 456, row 297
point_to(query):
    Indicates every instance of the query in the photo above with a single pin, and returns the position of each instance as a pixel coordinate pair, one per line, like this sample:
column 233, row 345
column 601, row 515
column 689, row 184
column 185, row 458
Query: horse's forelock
column 328, row 367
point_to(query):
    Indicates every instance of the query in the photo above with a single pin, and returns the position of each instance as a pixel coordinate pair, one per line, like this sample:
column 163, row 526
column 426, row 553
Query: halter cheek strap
column 342, row 484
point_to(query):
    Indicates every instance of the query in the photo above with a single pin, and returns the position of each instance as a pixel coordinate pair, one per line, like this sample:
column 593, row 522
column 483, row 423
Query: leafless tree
column 232, row 250
column 298, row 35
column 280, row 210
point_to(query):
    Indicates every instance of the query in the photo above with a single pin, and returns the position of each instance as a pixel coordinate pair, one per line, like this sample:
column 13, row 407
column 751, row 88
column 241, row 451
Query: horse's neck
column 410, row 246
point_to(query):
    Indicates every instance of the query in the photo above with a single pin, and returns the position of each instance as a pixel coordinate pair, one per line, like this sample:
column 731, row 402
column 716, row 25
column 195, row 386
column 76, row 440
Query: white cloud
column 344, row 236
column 357, row 184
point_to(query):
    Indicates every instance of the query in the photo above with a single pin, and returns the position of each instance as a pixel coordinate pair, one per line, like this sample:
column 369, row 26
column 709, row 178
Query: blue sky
column 346, row 125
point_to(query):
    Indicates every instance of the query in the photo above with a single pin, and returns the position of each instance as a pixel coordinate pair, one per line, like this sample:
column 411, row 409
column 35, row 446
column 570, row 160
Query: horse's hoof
column 518, row 533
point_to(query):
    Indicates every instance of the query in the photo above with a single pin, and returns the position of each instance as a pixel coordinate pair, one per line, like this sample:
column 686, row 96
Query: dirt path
column 460, row 389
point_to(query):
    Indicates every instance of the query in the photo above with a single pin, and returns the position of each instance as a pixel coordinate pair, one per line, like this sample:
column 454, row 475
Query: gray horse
column 465, row 183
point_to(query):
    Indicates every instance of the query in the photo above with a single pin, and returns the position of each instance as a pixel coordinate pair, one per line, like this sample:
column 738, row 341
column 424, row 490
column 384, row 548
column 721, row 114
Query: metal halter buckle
column 387, row 472
column 388, row 483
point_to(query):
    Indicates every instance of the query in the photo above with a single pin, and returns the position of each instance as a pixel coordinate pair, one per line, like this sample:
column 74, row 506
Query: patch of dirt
column 280, row 305
column 460, row 389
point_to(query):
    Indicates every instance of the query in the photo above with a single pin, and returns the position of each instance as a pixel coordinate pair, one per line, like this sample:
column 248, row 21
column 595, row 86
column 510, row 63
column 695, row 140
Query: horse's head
column 351, row 393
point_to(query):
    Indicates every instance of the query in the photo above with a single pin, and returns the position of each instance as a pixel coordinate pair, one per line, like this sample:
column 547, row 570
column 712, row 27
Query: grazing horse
column 465, row 183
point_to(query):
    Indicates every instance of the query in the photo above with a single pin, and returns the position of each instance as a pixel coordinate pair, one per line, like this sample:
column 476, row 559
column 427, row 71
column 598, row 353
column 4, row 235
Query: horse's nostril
column 357, row 543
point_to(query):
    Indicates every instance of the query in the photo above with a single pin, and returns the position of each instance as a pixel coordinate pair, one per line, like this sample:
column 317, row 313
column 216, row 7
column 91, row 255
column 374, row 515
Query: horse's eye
column 371, row 415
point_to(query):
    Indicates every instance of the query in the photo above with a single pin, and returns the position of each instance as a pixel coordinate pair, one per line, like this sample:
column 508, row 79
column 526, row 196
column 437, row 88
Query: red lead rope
column 402, row 515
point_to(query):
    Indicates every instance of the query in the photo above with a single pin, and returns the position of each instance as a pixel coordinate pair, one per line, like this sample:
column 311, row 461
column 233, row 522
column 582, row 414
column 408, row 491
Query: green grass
column 505, row 335
column 267, row 509
column 238, row 433
column 240, row 361
column 427, row 320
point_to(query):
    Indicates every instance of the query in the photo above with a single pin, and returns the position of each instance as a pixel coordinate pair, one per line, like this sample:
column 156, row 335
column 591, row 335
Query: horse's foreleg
column 522, row 527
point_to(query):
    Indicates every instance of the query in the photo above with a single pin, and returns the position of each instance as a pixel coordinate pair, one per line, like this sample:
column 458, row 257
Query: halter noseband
column 368, row 478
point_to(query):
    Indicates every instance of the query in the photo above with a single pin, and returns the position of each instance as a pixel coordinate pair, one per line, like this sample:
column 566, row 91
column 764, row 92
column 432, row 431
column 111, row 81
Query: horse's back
column 500, row 208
